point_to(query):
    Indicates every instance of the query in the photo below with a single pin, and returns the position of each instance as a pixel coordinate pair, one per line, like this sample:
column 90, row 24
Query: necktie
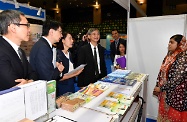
column 116, row 44
column 20, row 54
column 96, row 66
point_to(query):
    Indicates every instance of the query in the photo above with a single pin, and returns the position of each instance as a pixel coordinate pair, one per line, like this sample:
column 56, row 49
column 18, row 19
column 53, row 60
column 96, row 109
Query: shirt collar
column 93, row 46
column 15, row 47
column 47, row 41
column 117, row 40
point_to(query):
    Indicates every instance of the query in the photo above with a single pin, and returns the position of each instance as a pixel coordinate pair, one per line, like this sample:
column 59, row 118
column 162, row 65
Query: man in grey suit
column 14, row 67
column 41, row 55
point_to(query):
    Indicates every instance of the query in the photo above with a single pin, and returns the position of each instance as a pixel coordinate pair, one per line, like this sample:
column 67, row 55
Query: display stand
column 132, row 112
column 88, row 112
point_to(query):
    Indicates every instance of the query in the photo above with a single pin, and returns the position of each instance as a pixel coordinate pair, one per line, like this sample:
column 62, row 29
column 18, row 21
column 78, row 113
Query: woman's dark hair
column 177, row 38
column 118, row 52
column 60, row 44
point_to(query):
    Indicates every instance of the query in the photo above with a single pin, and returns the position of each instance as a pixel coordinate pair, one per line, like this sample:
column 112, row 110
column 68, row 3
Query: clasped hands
column 118, row 67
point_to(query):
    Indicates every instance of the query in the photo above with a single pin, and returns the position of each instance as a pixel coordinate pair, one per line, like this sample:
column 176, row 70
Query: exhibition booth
column 147, row 42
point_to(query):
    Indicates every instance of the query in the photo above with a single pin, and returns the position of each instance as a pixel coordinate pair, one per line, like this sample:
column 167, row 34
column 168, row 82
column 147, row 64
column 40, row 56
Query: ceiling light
column 96, row 5
column 56, row 5
column 141, row 2
column 16, row 4
column 28, row 3
column 39, row 11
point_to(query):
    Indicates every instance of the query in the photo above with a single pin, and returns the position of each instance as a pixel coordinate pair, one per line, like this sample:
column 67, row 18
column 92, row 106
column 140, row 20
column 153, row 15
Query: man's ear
column 12, row 28
column 51, row 31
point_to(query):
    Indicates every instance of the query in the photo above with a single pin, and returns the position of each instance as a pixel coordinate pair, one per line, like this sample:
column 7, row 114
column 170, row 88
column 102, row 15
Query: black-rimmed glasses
column 28, row 24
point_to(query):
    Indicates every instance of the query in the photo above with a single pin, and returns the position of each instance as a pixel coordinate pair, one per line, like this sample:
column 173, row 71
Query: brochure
column 76, row 69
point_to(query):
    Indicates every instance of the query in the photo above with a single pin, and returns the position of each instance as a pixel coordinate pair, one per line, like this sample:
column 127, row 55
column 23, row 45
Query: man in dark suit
column 114, row 46
column 91, row 54
column 41, row 55
column 14, row 67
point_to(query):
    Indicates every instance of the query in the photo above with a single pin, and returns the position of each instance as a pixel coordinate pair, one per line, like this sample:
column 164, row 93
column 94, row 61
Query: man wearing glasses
column 41, row 55
column 14, row 67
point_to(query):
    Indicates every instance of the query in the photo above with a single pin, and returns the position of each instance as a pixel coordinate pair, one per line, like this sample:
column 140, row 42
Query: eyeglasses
column 18, row 24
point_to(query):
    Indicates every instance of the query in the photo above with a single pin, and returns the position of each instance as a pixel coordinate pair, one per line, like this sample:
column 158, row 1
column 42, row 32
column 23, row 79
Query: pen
column 68, row 119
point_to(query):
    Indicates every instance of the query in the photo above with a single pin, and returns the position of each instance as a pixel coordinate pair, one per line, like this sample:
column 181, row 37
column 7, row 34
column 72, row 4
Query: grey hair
column 8, row 17
column 91, row 30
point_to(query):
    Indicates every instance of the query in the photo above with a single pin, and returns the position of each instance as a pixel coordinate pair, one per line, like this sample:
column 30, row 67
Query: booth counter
column 90, row 112
column 114, row 103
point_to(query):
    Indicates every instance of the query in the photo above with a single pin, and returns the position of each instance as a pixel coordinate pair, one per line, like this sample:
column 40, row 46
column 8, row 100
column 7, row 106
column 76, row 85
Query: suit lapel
column 90, row 52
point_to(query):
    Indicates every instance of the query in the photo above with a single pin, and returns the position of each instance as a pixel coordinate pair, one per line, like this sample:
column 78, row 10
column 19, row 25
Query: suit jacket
column 41, row 57
column 113, row 48
column 85, row 56
column 11, row 67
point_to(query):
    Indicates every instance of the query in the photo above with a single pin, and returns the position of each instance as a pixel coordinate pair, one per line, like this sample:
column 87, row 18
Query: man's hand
column 60, row 66
column 22, row 81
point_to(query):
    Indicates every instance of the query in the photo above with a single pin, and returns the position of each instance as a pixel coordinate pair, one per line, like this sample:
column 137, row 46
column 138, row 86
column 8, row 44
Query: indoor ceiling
column 64, row 4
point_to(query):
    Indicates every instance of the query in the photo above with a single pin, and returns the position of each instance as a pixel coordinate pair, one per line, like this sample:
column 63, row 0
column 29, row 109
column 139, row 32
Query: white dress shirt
column 70, row 63
column 98, row 59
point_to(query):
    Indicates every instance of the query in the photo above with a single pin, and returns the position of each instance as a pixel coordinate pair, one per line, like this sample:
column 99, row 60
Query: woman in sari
column 172, row 82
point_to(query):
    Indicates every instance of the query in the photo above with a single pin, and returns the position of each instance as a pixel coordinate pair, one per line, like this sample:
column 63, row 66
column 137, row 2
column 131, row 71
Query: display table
column 89, row 112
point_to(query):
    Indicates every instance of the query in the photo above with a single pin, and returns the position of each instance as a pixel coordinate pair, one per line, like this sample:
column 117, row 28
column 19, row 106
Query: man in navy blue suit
column 15, row 70
column 41, row 55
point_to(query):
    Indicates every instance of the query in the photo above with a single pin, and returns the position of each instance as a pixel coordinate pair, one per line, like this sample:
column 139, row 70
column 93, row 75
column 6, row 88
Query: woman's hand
column 67, row 76
column 156, row 91
column 79, row 71
column 117, row 67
